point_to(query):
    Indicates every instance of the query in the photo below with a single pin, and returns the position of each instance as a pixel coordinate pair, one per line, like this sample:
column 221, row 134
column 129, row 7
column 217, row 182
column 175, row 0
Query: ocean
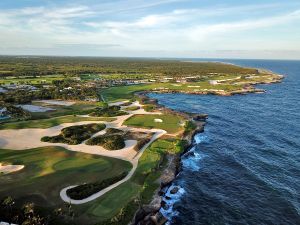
column 245, row 167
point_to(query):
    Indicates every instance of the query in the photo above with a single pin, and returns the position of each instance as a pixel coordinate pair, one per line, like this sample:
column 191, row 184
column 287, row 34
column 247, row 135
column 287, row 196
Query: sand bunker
column 35, row 108
column 158, row 120
column 56, row 102
column 10, row 168
column 118, row 103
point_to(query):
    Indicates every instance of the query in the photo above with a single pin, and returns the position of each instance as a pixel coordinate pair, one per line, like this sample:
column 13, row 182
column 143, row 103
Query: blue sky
column 152, row 28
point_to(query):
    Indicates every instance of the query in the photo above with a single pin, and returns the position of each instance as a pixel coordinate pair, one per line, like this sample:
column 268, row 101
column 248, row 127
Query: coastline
column 151, row 213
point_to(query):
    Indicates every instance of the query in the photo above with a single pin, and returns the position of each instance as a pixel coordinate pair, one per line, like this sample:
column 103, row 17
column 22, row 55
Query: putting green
column 170, row 123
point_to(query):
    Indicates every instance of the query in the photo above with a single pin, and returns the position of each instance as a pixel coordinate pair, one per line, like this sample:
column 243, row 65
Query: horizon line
column 142, row 57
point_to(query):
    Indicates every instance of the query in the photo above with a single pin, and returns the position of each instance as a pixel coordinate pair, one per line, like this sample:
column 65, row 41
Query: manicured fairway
column 127, row 92
column 46, row 123
column 170, row 123
column 49, row 169
column 124, row 92
column 31, row 80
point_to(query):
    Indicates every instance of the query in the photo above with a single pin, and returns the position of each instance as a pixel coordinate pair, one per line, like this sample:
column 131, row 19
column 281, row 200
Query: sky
column 260, row 29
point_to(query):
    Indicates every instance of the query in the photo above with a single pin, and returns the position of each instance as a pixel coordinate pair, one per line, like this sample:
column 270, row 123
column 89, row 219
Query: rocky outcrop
column 150, row 214
column 171, row 171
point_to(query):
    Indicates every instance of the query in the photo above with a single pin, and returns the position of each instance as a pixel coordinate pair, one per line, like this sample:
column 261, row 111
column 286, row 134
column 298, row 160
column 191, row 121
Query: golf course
column 102, row 180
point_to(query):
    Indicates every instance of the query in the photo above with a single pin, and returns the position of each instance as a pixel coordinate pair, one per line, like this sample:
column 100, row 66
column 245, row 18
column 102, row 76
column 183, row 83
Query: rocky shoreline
column 150, row 214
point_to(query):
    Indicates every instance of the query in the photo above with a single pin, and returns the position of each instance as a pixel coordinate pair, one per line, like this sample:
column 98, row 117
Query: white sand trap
column 35, row 108
column 158, row 120
column 176, row 85
column 194, row 86
column 118, row 103
column 10, row 168
column 56, row 102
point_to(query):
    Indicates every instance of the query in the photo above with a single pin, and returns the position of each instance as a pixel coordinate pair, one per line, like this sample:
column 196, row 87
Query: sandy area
column 35, row 108
column 56, row 102
column 10, row 168
column 140, row 110
column 118, row 103
column 158, row 120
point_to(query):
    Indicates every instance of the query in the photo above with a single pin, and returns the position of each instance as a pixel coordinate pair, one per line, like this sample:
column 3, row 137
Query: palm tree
column 28, row 210
column 30, row 217
column 8, row 202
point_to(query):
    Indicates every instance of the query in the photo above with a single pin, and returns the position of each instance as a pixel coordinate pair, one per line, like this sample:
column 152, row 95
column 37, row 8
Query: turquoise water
column 245, row 167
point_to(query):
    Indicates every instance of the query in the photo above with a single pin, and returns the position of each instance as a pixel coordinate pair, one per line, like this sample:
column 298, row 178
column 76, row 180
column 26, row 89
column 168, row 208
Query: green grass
column 121, row 93
column 46, row 123
column 31, row 79
column 49, row 169
column 132, row 108
column 79, row 108
column 170, row 145
column 143, row 184
column 171, row 123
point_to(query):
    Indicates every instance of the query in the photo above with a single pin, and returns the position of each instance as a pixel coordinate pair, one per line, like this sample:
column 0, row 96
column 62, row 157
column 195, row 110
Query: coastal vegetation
column 74, row 135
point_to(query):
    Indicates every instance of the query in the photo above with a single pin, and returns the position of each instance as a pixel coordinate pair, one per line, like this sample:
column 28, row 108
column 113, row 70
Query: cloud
column 170, row 29
column 198, row 32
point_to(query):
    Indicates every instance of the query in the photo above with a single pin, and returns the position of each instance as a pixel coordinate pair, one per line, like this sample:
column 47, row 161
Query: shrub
column 113, row 131
column 140, row 144
column 85, row 190
column 108, row 111
column 189, row 127
column 149, row 108
column 114, row 142
column 75, row 134
column 45, row 139
column 109, row 142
